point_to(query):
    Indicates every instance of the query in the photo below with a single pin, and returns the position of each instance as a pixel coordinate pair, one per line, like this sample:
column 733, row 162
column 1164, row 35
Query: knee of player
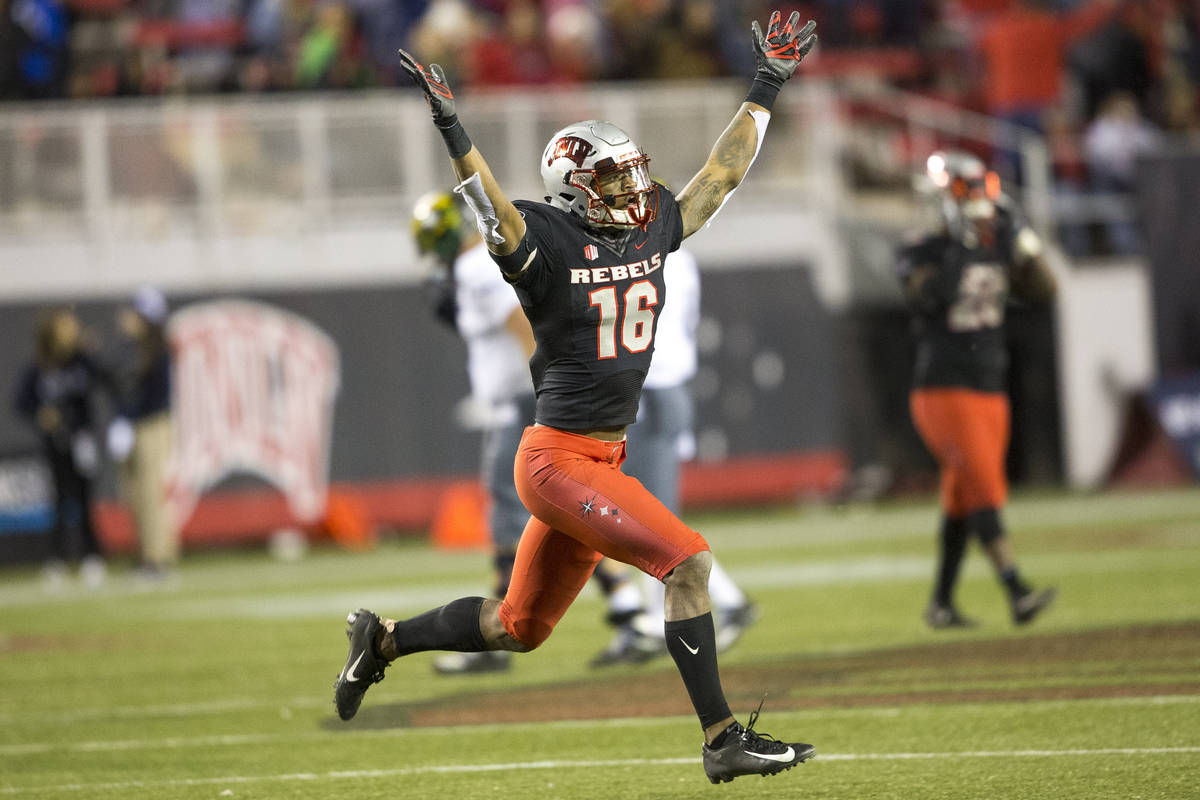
column 525, row 635
column 691, row 571
column 986, row 524
column 506, row 631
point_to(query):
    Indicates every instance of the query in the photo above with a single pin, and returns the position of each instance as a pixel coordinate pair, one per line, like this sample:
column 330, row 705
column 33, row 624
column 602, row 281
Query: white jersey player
column 660, row 440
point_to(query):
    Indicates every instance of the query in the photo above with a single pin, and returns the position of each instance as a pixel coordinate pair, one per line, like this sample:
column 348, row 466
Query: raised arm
column 776, row 54
column 499, row 221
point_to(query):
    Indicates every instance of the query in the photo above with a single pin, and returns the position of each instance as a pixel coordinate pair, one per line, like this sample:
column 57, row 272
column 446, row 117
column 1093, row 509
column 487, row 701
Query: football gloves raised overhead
column 433, row 83
column 778, row 52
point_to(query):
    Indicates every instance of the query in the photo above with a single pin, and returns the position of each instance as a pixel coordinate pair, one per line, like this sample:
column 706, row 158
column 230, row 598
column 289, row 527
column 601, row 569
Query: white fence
column 232, row 192
column 229, row 193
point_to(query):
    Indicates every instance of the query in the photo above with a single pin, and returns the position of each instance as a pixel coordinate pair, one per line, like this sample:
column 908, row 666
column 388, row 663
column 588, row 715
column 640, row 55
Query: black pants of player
column 72, row 509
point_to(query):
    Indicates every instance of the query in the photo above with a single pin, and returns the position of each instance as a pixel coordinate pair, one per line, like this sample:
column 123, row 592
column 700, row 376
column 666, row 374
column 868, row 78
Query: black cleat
column 746, row 752
column 363, row 667
column 939, row 616
column 472, row 663
column 1032, row 603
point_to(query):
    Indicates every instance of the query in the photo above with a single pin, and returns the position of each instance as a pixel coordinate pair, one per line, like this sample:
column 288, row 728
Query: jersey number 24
column 982, row 292
column 637, row 318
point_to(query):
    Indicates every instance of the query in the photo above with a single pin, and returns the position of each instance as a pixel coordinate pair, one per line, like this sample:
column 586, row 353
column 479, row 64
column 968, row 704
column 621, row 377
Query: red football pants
column 583, row 508
column 967, row 432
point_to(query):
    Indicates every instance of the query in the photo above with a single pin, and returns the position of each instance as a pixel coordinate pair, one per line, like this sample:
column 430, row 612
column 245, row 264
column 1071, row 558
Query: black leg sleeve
column 454, row 626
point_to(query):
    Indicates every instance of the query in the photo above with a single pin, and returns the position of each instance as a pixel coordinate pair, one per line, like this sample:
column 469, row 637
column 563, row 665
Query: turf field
column 220, row 684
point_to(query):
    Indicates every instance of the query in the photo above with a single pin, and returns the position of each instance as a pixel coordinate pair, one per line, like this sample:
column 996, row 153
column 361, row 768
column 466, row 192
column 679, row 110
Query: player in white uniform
column 485, row 311
column 660, row 440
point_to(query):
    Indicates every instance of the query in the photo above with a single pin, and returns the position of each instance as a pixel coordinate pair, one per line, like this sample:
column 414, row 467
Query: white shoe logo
column 782, row 758
column 692, row 650
column 350, row 676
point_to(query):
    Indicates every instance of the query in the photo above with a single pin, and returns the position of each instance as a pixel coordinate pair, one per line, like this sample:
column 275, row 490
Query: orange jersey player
column 587, row 266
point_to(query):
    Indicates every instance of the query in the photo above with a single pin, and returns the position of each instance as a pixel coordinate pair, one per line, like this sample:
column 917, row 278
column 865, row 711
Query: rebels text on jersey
column 593, row 303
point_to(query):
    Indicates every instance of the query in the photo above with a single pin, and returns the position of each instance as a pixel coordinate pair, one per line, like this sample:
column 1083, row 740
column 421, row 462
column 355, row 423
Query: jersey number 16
column 637, row 323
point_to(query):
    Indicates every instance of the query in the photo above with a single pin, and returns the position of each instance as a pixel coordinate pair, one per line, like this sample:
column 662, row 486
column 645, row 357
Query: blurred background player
column 658, row 442
column 56, row 393
column 957, row 281
column 139, row 437
column 475, row 300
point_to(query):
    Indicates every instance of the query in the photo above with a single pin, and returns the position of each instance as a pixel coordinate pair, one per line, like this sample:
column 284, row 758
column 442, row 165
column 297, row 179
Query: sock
column 624, row 599
column 1011, row 579
column 693, row 645
column 953, row 547
column 454, row 626
column 986, row 524
column 723, row 735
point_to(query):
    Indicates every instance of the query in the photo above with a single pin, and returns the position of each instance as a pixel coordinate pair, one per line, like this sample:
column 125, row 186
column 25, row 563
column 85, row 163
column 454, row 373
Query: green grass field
column 220, row 684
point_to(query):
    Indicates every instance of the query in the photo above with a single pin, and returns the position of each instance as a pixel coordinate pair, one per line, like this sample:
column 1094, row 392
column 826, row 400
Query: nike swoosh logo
column 639, row 246
column 350, row 676
column 782, row 758
column 692, row 650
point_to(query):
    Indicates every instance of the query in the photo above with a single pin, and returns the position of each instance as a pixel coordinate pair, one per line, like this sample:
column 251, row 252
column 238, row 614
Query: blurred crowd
column 1103, row 80
column 98, row 48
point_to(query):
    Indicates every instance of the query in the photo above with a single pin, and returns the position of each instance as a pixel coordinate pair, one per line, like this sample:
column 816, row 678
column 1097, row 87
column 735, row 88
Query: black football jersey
column 959, row 318
column 593, row 303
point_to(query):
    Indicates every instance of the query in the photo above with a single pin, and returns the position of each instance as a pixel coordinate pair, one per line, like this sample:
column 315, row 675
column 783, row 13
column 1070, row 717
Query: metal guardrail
column 217, row 167
column 210, row 190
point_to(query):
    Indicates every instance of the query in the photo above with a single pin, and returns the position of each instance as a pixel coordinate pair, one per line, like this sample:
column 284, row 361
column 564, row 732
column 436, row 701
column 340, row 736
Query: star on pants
column 587, row 506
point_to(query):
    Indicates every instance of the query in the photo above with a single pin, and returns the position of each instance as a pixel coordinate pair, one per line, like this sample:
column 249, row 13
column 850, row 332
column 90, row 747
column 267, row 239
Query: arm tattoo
column 731, row 156
column 735, row 151
column 704, row 198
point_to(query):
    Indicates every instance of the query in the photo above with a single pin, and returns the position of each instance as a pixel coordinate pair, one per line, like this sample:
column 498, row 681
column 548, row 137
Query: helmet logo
column 571, row 147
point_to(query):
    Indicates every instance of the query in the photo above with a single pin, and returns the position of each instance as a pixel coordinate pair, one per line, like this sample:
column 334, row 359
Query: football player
column 587, row 267
column 957, row 281
column 472, row 297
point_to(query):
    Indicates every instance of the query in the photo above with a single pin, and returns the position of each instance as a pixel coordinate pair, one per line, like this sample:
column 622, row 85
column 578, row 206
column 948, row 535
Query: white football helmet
column 594, row 170
column 966, row 182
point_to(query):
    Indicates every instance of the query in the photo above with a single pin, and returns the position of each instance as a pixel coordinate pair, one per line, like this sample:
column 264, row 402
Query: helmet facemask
column 969, row 190
column 974, row 196
column 619, row 193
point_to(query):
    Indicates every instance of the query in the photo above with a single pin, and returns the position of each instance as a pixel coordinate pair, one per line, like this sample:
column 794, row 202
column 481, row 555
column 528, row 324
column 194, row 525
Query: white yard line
column 440, row 769
column 870, row 569
column 193, row 596
column 217, row 740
